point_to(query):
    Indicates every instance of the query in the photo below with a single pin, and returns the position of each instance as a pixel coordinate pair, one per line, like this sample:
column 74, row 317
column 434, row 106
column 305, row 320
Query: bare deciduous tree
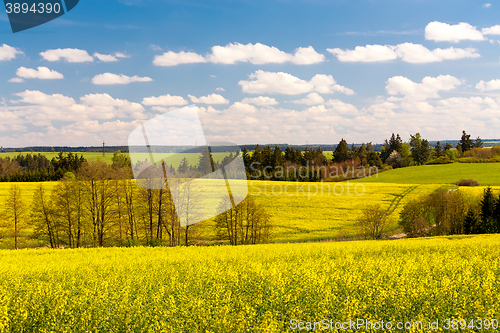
column 372, row 221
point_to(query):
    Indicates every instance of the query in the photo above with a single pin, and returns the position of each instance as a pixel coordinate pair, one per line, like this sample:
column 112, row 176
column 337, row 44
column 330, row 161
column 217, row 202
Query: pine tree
column 205, row 162
column 246, row 157
column 341, row 152
column 472, row 222
column 478, row 143
column 425, row 152
column 465, row 142
column 438, row 151
column 277, row 158
column 487, row 211
column 184, row 166
column 257, row 156
column 496, row 215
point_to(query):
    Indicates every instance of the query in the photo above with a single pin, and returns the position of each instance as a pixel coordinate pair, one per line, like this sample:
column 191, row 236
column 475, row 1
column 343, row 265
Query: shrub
column 441, row 160
column 373, row 221
column 467, row 182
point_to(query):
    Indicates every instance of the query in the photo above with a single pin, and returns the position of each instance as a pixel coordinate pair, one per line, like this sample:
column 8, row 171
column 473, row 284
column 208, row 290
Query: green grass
column 485, row 173
column 172, row 159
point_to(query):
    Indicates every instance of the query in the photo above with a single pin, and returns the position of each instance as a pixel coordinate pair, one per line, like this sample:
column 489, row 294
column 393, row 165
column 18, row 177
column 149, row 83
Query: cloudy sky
column 272, row 71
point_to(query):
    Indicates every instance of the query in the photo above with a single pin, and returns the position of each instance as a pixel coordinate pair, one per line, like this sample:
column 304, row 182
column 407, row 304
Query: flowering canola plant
column 259, row 288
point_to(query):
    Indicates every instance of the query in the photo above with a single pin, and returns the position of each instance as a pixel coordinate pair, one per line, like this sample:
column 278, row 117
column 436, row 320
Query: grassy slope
column 485, row 173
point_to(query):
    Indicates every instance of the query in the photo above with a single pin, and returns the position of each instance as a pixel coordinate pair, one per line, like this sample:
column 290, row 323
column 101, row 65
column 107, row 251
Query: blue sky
column 260, row 71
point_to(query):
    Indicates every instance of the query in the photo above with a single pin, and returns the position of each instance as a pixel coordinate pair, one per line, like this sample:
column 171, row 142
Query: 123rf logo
column 26, row 14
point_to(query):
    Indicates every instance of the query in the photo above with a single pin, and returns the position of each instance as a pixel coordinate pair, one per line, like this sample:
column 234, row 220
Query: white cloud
column 155, row 47
column 163, row 109
column 487, row 5
column 325, row 84
column 443, row 32
column 164, row 100
column 16, row 80
column 311, row 99
column 220, row 89
column 104, row 103
column 233, row 53
column 39, row 98
column 429, row 88
column 408, row 52
column 210, row 99
column 42, row 73
column 70, row 55
column 171, row 58
column 488, row 86
column 340, row 107
column 494, row 30
column 275, row 83
column 8, row 52
column 283, row 83
column 368, row 53
column 110, row 57
column 307, row 56
column 416, row 53
column 110, row 78
column 259, row 54
column 261, row 100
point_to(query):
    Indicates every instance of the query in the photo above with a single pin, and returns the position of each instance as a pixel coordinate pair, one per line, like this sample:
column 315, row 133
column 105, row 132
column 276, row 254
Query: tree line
column 38, row 168
column 101, row 205
column 452, row 212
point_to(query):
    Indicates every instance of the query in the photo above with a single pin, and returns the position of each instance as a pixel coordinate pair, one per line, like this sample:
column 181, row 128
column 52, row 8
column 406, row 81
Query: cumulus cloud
column 42, row 73
column 259, row 54
column 261, row 100
column 210, row 99
column 164, row 100
column 488, row 86
column 310, row 99
column 443, row 32
column 171, row 58
column 8, row 52
column 40, row 98
column 325, row 84
column 233, row 53
column 220, row 89
column 408, row 52
column 70, row 55
column 487, row 5
column 368, row 53
column 494, row 30
column 110, row 78
column 429, row 88
column 113, row 107
column 110, row 57
column 262, row 82
column 16, row 80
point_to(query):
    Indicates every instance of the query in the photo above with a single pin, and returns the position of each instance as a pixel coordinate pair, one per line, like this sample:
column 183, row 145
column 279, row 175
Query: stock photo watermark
column 27, row 14
column 360, row 324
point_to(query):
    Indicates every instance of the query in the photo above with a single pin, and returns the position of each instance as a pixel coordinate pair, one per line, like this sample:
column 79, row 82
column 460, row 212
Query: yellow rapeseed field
column 262, row 288
column 299, row 211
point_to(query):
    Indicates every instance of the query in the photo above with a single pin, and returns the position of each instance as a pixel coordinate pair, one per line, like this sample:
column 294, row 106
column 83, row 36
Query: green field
column 89, row 156
column 485, row 173
column 171, row 158
column 259, row 288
